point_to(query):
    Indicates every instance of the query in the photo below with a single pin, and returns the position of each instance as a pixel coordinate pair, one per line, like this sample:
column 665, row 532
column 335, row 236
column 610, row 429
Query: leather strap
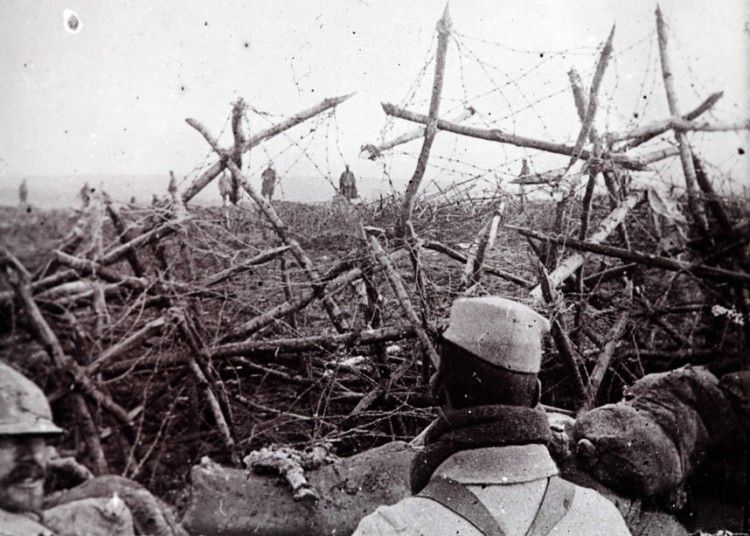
column 557, row 500
column 456, row 497
column 459, row 499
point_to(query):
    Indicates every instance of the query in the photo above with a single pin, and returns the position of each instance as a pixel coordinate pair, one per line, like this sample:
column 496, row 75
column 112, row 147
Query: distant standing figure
column 23, row 193
column 85, row 195
column 225, row 188
column 269, row 181
column 348, row 184
column 172, row 188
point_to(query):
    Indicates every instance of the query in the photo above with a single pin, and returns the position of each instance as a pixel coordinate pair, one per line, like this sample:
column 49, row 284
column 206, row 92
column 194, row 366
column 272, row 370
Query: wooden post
column 593, row 103
column 444, row 30
column 375, row 152
column 665, row 263
column 605, row 356
column 63, row 363
column 635, row 163
column 217, row 167
column 699, row 218
column 332, row 309
column 483, row 242
column 238, row 109
column 559, row 333
column 569, row 265
column 403, row 299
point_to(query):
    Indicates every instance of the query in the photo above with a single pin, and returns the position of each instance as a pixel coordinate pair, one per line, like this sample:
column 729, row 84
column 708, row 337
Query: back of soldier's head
column 491, row 353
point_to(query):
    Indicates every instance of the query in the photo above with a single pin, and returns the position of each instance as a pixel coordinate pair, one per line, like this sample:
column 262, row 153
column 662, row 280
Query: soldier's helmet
column 502, row 332
column 23, row 407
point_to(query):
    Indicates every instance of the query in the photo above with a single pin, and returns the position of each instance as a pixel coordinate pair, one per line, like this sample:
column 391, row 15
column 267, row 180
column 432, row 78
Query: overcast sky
column 112, row 98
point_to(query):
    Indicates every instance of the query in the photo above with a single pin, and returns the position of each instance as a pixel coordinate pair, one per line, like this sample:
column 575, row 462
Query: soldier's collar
column 510, row 464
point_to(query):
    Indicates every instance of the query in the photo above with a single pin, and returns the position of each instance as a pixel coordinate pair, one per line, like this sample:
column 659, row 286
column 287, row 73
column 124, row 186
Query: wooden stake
column 217, row 167
column 699, row 218
column 62, row 362
column 569, row 265
column 444, row 30
column 593, row 101
column 605, row 357
column 333, row 310
column 628, row 162
column 697, row 270
column 376, row 152
column 403, row 299
column 460, row 257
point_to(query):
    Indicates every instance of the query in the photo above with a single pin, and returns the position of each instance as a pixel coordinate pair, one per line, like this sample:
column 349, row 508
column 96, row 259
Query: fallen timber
column 628, row 162
column 695, row 269
column 268, row 348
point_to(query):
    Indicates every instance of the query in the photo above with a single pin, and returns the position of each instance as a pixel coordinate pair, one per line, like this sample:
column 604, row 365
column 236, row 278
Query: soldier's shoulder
column 592, row 509
column 412, row 516
column 19, row 525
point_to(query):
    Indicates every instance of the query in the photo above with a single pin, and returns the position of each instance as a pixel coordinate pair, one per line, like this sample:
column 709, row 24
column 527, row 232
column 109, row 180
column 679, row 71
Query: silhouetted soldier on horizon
column 348, row 184
column 225, row 188
column 269, row 181
column 23, row 193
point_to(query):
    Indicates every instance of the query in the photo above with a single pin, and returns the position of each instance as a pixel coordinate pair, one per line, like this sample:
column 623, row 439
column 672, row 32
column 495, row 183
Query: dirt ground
column 302, row 398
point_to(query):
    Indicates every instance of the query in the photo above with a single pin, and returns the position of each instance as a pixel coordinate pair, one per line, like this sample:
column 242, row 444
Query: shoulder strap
column 459, row 499
column 557, row 500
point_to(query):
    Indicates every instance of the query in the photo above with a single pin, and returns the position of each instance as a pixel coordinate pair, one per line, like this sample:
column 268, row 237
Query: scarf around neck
column 473, row 428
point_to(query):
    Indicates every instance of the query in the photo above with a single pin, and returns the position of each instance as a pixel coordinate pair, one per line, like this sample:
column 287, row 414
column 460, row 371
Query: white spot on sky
column 71, row 21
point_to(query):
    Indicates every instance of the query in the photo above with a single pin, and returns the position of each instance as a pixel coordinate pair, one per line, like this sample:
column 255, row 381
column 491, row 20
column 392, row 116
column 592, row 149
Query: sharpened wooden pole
column 217, row 167
column 635, row 163
column 444, row 30
column 332, row 309
column 699, row 218
column 403, row 299
column 570, row 264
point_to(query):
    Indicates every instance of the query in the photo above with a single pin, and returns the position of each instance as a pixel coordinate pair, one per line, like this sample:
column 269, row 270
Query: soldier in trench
column 25, row 427
column 485, row 467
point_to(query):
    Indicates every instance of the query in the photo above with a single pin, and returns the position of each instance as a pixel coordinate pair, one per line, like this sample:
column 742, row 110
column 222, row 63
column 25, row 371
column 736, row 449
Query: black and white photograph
column 374, row 267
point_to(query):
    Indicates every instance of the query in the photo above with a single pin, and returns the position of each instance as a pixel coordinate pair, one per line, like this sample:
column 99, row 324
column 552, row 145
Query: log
column 217, row 167
column 698, row 270
column 403, row 299
column 570, row 264
column 376, row 152
column 676, row 123
column 148, row 237
column 593, row 101
column 62, row 362
column 238, row 110
column 604, row 360
column 261, row 258
column 444, row 30
column 272, row 347
column 315, row 342
column 693, row 114
column 150, row 329
column 301, row 301
column 628, row 162
column 125, row 235
column 682, row 143
column 559, row 334
column 460, row 257
column 484, row 240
